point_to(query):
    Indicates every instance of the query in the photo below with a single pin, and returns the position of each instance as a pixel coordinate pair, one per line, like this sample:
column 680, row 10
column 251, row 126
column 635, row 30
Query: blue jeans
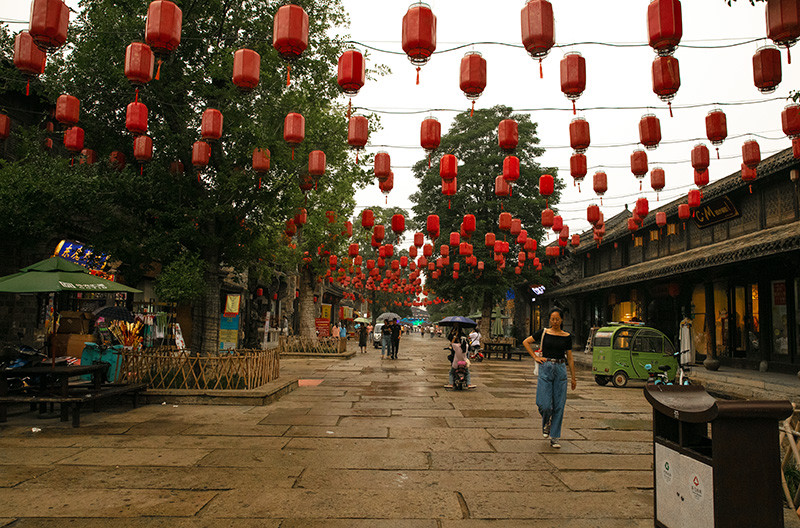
column 453, row 376
column 551, row 395
column 386, row 343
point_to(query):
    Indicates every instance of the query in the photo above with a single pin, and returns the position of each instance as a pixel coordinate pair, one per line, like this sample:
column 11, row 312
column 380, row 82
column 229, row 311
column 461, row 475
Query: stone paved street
column 366, row 443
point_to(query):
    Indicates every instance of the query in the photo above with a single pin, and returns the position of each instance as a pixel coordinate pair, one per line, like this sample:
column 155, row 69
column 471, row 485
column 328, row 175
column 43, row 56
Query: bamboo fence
column 172, row 368
column 789, row 438
column 307, row 345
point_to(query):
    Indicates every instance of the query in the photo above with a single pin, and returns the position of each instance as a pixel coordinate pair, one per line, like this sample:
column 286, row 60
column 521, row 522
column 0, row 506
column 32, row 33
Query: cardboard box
column 74, row 322
column 71, row 344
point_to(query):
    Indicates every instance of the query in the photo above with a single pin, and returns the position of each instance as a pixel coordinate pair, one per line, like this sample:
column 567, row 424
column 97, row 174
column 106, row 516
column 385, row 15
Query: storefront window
column 780, row 327
column 624, row 311
column 722, row 319
column 699, row 330
column 739, row 315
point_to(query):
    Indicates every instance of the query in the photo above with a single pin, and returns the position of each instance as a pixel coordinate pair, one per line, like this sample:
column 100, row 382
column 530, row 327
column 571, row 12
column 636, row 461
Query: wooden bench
column 504, row 348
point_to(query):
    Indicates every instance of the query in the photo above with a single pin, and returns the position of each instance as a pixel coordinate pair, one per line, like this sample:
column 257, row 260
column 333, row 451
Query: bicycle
column 661, row 378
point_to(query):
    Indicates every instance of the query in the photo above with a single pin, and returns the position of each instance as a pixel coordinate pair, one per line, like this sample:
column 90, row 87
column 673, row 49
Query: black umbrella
column 457, row 319
column 115, row 313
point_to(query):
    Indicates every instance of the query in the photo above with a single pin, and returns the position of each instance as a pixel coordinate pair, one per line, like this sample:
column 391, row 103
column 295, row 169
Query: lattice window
column 778, row 203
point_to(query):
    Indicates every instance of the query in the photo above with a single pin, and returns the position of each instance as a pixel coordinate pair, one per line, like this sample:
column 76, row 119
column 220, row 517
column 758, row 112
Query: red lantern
column 68, row 109
column 201, row 154
column 143, row 148
column 701, row 178
column 790, row 120
column 783, row 23
column 73, row 139
column 552, row 251
column 306, row 182
column 511, row 169
column 522, row 238
column 116, row 160
column 502, row 189
column 398, row 223
column 419, row 239
column 357, row 132
column 162, row 30
column 139, row 63
column 379, row 232
column 489, row 239
column 294, row 125
column 664, row 26
column 316, row 163
column 749, row 174
column 684, row 212
column 716, row 128
column 5, row 127
column 751, row 154
column 211, row 125
column 290, row 34
column 504, row 221
column 576, row 240
column 516, row 227
column 700, row 157
column 538, row 29
column 632, row 225
column 661, row 219
column 444, row 250
column 246, row 69
column 301, row 218
column 419, row 34
column 448, row 167
column 693, row 198
column 579, row 138
column 593, row 214
column 386, row 185
column 88, row 157
column 548, row 218
column 449, row 189
column 367, row 219
column 649, row 131
column 577, row 168
column 332, row 261
column 600, row 184
column 767, row 72
column 508, row 134
column 469, row 223
column 642, row 207
column 455, row 238
column 28, row 58
column 546, row 186
column 48, row 23
column 351, row 74
column 573, row 76
column 430, row 136
column 657, row 179
column 383, row 165
column 796, row 148
column 473, row 76
column 432, row 226
column 639, row 165
column 261, row 160
column 136, row 118
column 666, row 79
column 558, row 223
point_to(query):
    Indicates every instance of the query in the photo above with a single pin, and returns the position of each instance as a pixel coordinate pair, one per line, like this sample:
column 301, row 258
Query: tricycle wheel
column 620, row 379
column 602, row 380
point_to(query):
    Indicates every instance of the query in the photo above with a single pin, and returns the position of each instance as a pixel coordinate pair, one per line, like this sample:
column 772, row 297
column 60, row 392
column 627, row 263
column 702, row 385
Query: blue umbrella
column 457, row 319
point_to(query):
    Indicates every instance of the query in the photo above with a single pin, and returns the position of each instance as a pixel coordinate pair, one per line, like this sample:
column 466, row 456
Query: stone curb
column 340, row 355
column 263, row 395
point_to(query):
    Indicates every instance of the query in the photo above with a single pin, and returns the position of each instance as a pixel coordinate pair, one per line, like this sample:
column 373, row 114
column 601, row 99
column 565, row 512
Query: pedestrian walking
column 386, row 339
column 396, row 330
column 551, row 388
column 362, row 337
column 343, row 330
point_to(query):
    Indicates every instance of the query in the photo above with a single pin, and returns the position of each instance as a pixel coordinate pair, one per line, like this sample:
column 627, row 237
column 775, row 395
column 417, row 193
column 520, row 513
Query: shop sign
column 714, row 212
column 325, row 311
column 323, row 326
column 229, row 332
column 232, row 302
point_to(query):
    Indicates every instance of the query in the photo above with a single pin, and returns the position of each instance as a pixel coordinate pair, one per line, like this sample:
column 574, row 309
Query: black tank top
column 554, row 347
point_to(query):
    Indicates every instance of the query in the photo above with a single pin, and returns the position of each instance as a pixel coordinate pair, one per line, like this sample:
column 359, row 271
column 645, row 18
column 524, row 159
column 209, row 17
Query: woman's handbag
column 539, row 354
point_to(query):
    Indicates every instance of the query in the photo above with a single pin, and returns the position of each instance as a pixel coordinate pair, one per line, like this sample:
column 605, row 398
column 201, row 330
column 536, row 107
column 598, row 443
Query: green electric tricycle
column 620, row 352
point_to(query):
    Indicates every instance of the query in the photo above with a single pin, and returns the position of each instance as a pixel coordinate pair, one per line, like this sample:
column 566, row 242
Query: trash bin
column 716, row 462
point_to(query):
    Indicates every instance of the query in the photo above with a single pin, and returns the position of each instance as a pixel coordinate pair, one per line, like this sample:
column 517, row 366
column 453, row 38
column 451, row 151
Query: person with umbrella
column 396, row 329
column 362, row 337
column 386, row 338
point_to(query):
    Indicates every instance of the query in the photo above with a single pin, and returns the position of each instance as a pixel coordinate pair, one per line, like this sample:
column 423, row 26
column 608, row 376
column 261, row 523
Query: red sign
column 323, row 327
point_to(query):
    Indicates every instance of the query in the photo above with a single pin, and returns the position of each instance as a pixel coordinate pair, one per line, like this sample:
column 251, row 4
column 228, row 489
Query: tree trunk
column 486, row 315
column 206, row 312
column 305, row 305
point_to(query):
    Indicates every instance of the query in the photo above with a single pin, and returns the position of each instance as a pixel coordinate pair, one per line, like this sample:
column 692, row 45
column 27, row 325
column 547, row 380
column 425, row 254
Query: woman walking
column 362, row 337
column 551, row 389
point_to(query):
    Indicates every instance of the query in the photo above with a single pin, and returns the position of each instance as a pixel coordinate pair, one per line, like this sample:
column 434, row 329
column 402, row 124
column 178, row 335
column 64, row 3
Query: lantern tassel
column 356, row 156
column 669, row 104
column 601, row 200
column 751, row 188
column 640, row 185
column 717, row 152
column 136, row 98
column 198, row 178
column 259, row 182
column 349, row 106
column 289, row 75
column 292, row 153
column 541, row 73
column 448, row 204
column 574, row 111
column 72, row 161
column 28, row 88
column 141, row 170
column 158, row 71
column 417, row 75
column 429, row 161
column 472, row 112
column 789, row 54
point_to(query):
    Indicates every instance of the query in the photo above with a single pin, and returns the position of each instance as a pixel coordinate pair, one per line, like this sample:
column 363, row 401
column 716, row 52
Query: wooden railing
column 790, row 464
column 171, row 368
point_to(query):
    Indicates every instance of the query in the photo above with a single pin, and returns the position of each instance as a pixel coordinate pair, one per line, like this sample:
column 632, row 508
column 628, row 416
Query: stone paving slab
column 489, row 461
column 344, row 431
column 177, row 441
column 299, row 419
column 609, row 435
column 36, row 456
column 373, row 459
column 559, row 505
column 399, row 421
column 146, row 522
column 618, row 522
column 530, row 434
column 11, row 476
column 600, row 462
column 606, row 480
column 360, row 523
column 136, row 457
column 242, row 430
column 422, row 445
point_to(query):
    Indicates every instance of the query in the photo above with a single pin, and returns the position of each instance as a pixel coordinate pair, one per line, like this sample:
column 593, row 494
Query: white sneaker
column 554, row 443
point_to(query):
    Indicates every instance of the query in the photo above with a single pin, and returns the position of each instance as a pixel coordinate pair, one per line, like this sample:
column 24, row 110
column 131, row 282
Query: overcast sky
column 616, row 77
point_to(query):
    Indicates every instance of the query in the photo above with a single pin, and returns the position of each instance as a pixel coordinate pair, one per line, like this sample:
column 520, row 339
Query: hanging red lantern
column 564, row 232
column 661, row 219
column 290, row 34
column 73, row 139
column 593, row 214
column 357, row 132
column 511, row 169
column 294, row 126
column 522, row 237
column 261, row 160
column 693, row 197
column 538, row 29
column 143, row 148
column 398, row 224
column 573, row 76
column 632, row 225
column 516, row 227
column 558, row 223
column 412, row 251
column 246, row 69
column 383, row 165
column 796, row 148
column 48, row 24
column 548, row 218
column 455, row 238
column 306, row 182
column 351, row 73
column 664, row 26
column 444, row 250
column 783, row 23
column 489, row 239
column 508, row 134
column 432, row 226
column 88, row 157
column 386, row 185
column 379, row 232
column 576, row 240
column 473, row 76
column 301, row 218
column 448, row 167
column 649, row 131
column 767, row 72
column 790, row 120
column 716, row 128
column 316, row 163
column 430, row 136
column 449, row 189
column 751, row 154
column 162, row 30
column 701, row 178
column 657, row 179
column 28, row 58
column 201, row 154
column 700, row 157
column 68, row 109
column 211, row 125
column 5, row 127
column 579, row 138
column 367, row 219
column 136, row 118
column 504, row 221
column 684, row 212
column 546, row 186
column 577, row 168
column 639, row 165
column 419, row 34
column 290, row 230
column 600, row 184
column 642, row 207
column 666, row 79
column 139, row 64
column 749, row 174
column 116, row 160
column 502, row 189
column 469, row 223
column 419, row 239
column 348, row 228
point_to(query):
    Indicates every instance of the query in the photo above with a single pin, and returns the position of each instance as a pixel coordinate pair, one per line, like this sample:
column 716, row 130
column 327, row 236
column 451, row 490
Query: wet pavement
column 362, row 442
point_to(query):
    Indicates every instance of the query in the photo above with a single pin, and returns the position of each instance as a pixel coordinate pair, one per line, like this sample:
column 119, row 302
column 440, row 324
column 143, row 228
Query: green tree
column 473, row 141
column 219, row 215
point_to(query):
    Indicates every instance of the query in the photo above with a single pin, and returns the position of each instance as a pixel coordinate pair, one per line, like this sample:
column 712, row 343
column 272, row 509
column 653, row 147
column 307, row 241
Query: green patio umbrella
column 361, row 320
column 56, row 275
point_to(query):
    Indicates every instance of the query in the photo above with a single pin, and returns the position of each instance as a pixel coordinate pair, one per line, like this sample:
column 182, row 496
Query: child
column 459, row 354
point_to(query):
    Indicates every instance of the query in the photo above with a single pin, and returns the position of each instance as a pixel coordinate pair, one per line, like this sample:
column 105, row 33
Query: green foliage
column 182, row 279
column 473, row 140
